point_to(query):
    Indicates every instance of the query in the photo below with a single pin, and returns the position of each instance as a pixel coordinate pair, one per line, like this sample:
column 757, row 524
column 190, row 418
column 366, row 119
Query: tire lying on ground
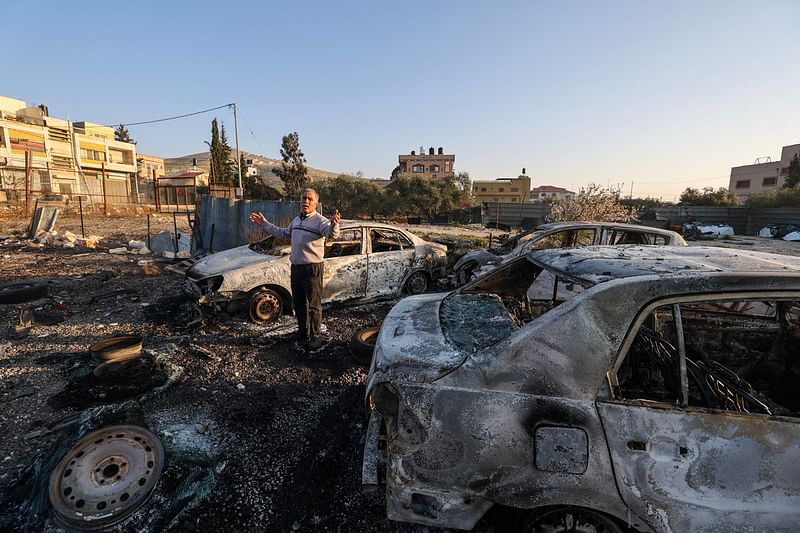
column 116, row 348
column 363, row 342
column 21, row 292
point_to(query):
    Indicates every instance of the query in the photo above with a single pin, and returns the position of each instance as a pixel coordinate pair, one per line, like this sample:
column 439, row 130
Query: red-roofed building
column 550, row 192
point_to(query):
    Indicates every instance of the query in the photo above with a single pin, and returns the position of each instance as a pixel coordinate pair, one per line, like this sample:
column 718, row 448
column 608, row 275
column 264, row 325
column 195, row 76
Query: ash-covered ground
column 271, row 438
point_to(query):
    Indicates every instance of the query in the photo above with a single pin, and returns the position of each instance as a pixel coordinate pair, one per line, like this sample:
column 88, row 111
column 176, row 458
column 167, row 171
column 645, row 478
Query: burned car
column 595, row 389
column 367, row 261
column 560, row 235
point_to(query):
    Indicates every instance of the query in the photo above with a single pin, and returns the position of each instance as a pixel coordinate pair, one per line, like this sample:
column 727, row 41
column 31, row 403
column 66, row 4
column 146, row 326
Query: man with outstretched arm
column 307, row 233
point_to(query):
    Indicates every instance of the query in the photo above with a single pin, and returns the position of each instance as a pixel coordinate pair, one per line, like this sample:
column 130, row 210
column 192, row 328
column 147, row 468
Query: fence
column 745, row 220
column 224, row 223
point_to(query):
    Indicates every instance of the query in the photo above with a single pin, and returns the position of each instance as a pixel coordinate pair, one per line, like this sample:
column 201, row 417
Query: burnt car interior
column 732, row 355
column 524, row 290
column 348, row 243
column 271, row 246
column 616, row 236
column 384, row 240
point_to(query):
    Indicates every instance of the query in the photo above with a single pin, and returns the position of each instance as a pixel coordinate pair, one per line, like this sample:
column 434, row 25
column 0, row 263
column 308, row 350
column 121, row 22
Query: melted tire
column 21, row 292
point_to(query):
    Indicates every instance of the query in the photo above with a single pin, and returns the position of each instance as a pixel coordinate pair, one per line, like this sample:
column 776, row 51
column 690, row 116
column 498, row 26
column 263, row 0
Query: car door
column 345, row 267
column 391, row 255
column 700, row 448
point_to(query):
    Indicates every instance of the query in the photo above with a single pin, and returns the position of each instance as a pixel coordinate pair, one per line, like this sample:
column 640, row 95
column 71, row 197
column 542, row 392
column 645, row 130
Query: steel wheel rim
column 417, row 283
column 265, row 307
column 105, row 477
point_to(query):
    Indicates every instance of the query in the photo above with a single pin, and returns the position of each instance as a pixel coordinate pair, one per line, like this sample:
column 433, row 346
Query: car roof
column 598, row 264
column 614, row 225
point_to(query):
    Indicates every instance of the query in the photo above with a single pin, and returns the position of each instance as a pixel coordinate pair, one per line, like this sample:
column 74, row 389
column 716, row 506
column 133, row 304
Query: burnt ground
column 257, row 436
column 273, row 437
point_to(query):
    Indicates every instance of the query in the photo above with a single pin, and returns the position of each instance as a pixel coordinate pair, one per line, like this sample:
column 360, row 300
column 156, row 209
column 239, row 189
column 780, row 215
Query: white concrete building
column 761, row 177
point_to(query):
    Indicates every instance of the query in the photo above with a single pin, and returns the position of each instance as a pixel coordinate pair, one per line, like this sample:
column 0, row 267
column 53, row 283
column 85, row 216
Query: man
column 307, row 232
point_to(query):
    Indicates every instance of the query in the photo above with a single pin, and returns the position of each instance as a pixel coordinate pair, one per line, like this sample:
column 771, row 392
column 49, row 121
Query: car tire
column 567, row 519
column 417, row 283
column 362, row 344
column 21, row 292
column 265, row 306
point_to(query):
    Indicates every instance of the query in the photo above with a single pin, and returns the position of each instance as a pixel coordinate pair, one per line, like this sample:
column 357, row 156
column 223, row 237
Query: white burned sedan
column 596, row 389
column 367, row 261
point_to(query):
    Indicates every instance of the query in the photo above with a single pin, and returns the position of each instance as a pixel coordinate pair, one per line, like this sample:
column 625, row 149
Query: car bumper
column 408, row 501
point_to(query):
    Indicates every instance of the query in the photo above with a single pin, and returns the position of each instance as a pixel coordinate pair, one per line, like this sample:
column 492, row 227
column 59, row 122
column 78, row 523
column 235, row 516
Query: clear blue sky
column 666, row 95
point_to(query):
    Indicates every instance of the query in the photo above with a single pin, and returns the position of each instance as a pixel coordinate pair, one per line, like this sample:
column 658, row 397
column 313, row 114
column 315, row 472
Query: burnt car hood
column 411, row 346
column 222, row 262
column 425, row 337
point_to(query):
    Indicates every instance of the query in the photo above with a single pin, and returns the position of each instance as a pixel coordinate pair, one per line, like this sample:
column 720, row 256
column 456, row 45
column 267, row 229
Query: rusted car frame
column 612, row 388
column 367, row 261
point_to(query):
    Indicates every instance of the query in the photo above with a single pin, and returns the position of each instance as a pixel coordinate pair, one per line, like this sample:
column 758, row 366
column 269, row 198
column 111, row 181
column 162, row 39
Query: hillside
column 264, row 165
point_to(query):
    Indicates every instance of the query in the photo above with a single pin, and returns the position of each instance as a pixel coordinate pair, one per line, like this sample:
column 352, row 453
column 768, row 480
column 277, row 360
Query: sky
column 649, row 97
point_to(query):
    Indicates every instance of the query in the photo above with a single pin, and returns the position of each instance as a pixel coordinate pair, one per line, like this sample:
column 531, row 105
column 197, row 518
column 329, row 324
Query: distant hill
column 263, row 164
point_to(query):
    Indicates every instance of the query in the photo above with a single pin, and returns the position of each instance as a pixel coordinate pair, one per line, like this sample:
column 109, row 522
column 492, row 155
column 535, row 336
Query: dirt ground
column 257, row 436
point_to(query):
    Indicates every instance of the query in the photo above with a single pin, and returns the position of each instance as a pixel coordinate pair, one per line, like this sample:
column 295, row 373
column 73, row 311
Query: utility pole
column 239, row 191
column 631, row 191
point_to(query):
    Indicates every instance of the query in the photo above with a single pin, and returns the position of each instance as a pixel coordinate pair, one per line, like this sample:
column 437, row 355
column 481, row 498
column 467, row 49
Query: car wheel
column 265, row 306
column 417, row 283
column 17, row 293
column 465, row 274
column 568, row 519
column 363, row 342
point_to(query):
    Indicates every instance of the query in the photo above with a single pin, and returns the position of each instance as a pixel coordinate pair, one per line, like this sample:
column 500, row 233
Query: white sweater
column 308, row 237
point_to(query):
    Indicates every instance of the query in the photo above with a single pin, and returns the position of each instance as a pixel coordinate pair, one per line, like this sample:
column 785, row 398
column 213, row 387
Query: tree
column 591, row 203
column 415, row 196
column 792, row 173
column 121, row 134
column 395, row 173
column 220, row 156
column 293, row 172
column 708, row 196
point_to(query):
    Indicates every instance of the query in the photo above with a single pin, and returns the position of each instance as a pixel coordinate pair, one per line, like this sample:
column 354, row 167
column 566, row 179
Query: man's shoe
column 300, row 345
column 316, row 343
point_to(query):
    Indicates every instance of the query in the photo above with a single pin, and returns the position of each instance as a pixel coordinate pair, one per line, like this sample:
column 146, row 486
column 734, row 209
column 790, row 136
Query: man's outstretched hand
column 335, row 218
column 258, row 218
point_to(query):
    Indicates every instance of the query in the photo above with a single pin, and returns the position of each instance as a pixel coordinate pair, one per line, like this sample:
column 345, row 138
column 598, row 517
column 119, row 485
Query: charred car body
column 367, row 261
column 599, row 388
column 561, row 235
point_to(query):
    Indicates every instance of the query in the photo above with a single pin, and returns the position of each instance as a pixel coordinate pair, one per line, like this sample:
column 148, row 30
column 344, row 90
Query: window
column 347, row 243
column 514, row 199
column 387, row 240
column 483, row 189
column 435, row 168
column 514, row 189
column 769, row 182
column 743, row 184
column 501, row 189
column 738, row 355
column 418, row 168
column 94, row 155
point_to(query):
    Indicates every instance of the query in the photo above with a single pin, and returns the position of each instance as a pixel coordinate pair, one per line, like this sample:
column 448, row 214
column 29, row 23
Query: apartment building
column 549, row 193
column 503, row 190
column 761, row 176
column 433, row 165
column 42, row 155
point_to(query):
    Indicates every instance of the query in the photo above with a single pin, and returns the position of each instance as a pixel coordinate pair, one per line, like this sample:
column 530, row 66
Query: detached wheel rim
column 417, row 283
column 105, row 477
column 265, row 306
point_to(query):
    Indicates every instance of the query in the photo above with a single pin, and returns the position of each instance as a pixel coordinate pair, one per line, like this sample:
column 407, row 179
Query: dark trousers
column 307, row 298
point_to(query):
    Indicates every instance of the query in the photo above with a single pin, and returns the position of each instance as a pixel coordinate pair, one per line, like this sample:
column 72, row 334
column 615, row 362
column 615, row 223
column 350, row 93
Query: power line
column 170, row 118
